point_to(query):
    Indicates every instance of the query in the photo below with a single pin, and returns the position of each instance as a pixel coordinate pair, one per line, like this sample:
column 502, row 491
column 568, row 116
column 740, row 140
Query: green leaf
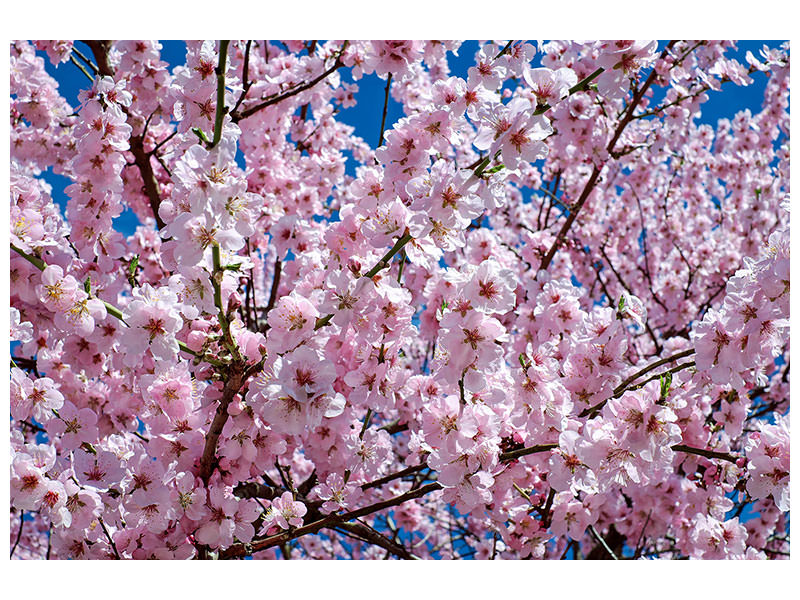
column 134, row 264
column 199, row 133
column 132, row 270
column 666, row 382
column 621, row 304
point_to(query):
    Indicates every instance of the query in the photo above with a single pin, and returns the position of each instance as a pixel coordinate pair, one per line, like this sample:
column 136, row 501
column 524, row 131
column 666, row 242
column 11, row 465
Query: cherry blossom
column 540, row 310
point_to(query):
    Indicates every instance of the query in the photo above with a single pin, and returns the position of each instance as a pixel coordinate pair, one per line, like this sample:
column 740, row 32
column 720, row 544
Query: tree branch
column 602, row 542
column 239, row 116
column 382, row 264
column 592, row 181
column 385, row 109
column 624, row 385
column 19, row 533
column 142, row 162
column 239, row 550
column 706, row 453
column 370, row 535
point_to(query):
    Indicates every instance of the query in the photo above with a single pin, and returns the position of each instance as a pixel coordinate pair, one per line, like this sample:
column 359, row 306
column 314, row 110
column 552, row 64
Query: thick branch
column 514, row 454
column 141, row 158
column 233, row 383
column 603, row 543
column 142, row 162
column 100, row 50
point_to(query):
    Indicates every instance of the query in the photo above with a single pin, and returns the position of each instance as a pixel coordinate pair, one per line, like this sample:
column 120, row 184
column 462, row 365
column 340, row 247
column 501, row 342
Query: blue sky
column 366, row 115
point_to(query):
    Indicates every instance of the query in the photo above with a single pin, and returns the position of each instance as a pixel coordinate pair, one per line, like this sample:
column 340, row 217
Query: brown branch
column 108, row 537
column 19, row 533
column 618, row 391
column 573, row 214
column 639, row 546
column 515, row 454
column 142, row 161
column 370, row 535
column 276, row 280
column 547, row 516
column 233, row 383
column 158, row 146
column 393, row 476
column 505, row 49
column 394, row 427
column 385, row 109
column 239, row 116
column 100, row 50
column 592, row 181
column 240, row 550
column 237, row 376
column 706, row 453
column 602, row 542
column 33, row 427
column 253, row 489
column 85, row 59
column 246, row 84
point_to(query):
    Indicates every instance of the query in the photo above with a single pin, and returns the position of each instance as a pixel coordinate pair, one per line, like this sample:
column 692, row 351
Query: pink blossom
column 74, row 426
column 286, row 512
column 152, row 324
column 291, row 320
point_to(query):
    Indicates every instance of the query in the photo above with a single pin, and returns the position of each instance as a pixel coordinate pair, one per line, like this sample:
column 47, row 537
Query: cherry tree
column 545, row 316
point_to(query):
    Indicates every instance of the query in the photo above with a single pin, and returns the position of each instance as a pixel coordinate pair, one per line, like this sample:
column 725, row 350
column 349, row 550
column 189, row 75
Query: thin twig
column 19, row 533
column 706, row 453
column 108, row 536
column 80, row 66
column 239, row 550
column 246, row 84
column 624, row 385
column 592, row 181
column 236, row 117
column 638, row 552
column 385, row 109
column 85, row 59
column 602, row 542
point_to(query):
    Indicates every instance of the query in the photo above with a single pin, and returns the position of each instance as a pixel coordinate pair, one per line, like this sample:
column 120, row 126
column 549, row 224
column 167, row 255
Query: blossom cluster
column 546, row 316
